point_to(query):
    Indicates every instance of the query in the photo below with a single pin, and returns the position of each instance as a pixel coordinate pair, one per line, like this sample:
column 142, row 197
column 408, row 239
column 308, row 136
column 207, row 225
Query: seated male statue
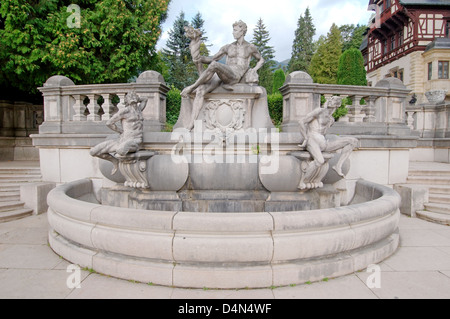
column 237, row 69
column 314, row 127
column 131, row 131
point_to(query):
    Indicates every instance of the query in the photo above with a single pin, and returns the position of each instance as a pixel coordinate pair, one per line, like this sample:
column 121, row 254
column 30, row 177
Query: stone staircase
column 12, row 176
column 436, row 178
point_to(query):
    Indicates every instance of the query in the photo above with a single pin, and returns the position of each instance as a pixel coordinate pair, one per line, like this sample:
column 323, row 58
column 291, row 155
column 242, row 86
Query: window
column 430, row 71
column 393, row 43
column 400, row 38
column 400, row 75
column 396, row 73
column 388, row 4
column 443, row 70
column 385, row 47
column 447, row 30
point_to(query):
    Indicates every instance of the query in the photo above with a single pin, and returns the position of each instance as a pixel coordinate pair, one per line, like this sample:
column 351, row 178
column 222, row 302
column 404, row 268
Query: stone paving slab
column 30, row 269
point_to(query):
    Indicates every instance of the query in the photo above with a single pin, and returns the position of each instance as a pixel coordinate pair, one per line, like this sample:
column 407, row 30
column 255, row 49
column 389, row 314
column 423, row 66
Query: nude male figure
column 130, row 130
column 314, row 127
column 239, row 54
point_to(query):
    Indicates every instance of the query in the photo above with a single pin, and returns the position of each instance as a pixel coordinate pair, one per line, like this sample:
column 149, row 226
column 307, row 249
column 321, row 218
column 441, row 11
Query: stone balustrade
column 73, row 109
column 385, row 104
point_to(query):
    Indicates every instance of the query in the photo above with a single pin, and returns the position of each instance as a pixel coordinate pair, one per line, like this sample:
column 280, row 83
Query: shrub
column 275, row 102
column 173, row 104
column 278, row 80
column 351, row 69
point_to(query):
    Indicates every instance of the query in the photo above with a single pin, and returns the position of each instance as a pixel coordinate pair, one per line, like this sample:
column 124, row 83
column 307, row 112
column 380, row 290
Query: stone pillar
column 151, row 84
column 391, row 109
column 298, row 99
column 56, row 106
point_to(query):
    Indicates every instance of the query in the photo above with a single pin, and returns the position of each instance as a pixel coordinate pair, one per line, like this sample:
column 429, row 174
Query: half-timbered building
column 410, row 40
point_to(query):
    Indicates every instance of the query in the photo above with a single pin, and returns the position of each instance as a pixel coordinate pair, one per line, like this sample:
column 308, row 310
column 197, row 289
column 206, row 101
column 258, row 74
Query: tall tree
column 198, row 23
column 351, row 69
column 114, row 41
column 176, row 55
column 303, row 46
column 261, row 38
column 325, row 62
column 352, row 36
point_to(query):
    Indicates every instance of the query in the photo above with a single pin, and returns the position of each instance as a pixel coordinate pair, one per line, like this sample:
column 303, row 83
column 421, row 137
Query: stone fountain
column 225, row 200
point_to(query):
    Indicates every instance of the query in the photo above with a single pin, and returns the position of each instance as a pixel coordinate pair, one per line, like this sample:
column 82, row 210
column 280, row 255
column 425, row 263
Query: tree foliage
column 261, row 38
column 114, row 42
column 352, row 36
column 278, row 80
column 325, row 62
column 351, row 69
column 303, row 46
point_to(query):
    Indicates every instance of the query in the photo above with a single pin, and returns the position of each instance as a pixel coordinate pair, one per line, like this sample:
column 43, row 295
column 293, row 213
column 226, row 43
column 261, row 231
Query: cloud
column 280, row 18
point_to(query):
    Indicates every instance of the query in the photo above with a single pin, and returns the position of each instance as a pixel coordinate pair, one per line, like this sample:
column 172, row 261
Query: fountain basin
column 223, row 250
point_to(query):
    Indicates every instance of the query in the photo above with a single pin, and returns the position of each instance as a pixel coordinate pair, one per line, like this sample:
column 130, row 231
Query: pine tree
column 325, row 62
column 303, row 46
column 352, row 36
column 177, row 56
column 198, row 23
column 261, row 38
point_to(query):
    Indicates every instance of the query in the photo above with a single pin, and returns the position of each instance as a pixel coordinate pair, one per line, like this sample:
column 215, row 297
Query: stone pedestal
column 227, row 111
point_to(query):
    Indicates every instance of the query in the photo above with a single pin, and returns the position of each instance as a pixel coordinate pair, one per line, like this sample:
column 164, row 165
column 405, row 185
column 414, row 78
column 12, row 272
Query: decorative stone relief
column 133, row 167
column 225, row 117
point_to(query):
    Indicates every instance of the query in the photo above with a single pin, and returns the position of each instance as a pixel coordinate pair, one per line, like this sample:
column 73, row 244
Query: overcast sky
column 279, row 16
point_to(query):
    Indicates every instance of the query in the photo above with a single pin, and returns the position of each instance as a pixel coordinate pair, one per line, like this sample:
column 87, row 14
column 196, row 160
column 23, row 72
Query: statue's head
column 131, row 98
column 192, row 33
column 239, row 29
column 333, row 103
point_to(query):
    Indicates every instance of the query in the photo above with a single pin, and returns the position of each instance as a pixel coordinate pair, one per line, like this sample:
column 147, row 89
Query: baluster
column 79, row 108
column 107, row 107
column 121, row 103
column 355, row 109
column 94, row 108
column 369, row 109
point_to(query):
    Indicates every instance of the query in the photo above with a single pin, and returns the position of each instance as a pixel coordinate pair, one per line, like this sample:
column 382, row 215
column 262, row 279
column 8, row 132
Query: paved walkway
column 419, row 269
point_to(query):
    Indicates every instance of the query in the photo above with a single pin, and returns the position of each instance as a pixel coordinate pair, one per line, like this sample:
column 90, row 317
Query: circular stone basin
column 223, row 250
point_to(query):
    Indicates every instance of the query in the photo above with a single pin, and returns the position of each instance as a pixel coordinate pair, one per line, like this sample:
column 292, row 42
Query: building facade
column 409, row 40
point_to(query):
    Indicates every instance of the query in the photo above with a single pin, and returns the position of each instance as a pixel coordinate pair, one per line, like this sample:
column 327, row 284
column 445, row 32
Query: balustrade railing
column 70, row 108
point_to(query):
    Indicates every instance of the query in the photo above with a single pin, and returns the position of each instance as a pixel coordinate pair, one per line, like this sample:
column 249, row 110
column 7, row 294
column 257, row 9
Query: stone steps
column 9, row 196
column 12, row 176
column 439, row 198
column 429, row 180
column 436, row 178
column 434, row 217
